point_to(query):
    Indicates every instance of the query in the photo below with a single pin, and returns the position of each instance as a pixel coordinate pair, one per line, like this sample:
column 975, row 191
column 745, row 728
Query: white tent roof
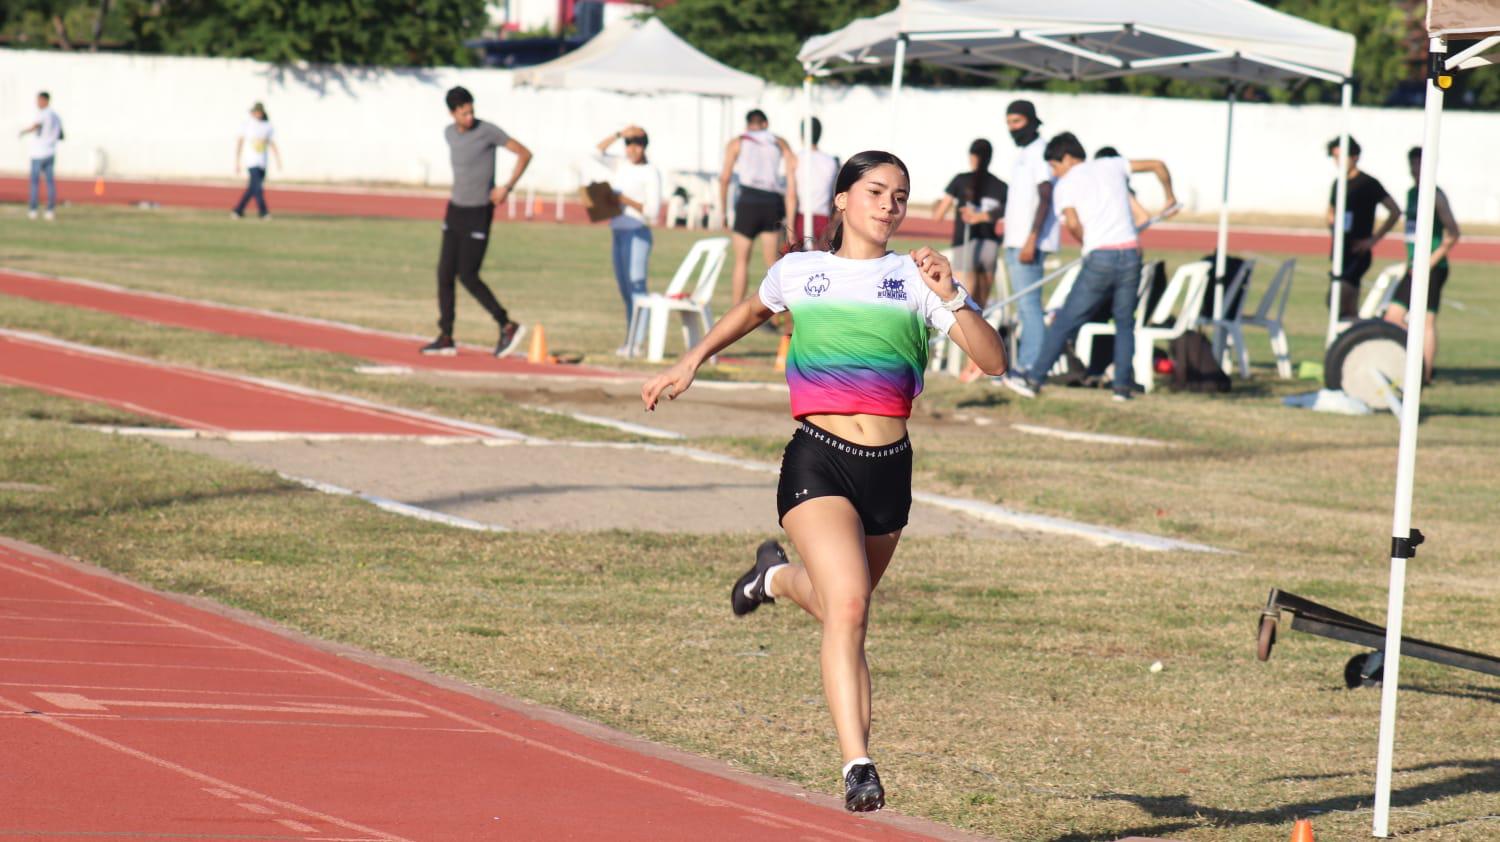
column 641, row 57
column 1095, row 39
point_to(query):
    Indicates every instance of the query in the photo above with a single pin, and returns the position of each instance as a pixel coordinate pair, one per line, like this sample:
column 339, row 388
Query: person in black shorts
column 1444, row 235
column 1360, row 235
column 977, row 199
column 855, row 364
column 466, row 222
column 766, row 171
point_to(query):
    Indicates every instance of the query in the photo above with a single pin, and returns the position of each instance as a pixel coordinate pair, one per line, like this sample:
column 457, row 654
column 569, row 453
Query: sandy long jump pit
column 554, row 486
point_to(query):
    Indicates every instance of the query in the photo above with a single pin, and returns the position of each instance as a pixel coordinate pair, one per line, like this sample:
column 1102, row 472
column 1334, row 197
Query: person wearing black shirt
column 1360, row 236
column 978, row 200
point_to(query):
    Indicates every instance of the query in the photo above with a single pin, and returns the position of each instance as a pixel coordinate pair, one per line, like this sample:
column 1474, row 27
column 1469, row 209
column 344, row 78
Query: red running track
column 296, row 331
column 127, row 714
column 200, row 400
column 1172, row 236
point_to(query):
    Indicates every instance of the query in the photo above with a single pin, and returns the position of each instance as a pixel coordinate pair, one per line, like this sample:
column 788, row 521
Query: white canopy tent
column 645, row 57
column 1236, row 40
column 1466, row 19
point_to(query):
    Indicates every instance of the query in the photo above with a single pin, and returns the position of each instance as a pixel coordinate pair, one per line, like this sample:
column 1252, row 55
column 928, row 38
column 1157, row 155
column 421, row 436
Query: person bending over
column 1093, row 202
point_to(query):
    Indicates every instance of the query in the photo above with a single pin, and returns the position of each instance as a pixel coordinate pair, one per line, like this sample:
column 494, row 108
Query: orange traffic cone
column 1302, row 831
column 781, row 349
column 536, row 206
column 99, row 186
column 537, row 353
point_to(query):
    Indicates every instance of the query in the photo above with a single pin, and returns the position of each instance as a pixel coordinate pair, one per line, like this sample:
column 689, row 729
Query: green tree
column 762, row 37
column 361, row 32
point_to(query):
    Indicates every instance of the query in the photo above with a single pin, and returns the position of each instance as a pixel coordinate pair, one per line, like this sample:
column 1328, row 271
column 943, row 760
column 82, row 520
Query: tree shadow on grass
column 1467, row 376
column 1181, row 812
column 137, row 504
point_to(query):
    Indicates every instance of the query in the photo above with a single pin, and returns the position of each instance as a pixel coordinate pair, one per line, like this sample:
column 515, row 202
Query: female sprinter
column 855, row 364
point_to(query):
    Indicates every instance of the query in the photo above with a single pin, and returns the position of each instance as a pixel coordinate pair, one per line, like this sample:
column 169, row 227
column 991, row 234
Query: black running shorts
column 876, row 480
column 759, row 211
column 1435, row 280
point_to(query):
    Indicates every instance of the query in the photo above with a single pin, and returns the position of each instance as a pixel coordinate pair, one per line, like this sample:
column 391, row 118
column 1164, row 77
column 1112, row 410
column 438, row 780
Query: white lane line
column 1092, row 438
column 297, row 826
column 396, row 506
column 256, row 808
column 260, row 436
column 599, row 420
column 148, row 666
column 1101, row 535
column 985, row 511
column 144, row 643
column 52, row 601
column 80, row 621
column 178, row 690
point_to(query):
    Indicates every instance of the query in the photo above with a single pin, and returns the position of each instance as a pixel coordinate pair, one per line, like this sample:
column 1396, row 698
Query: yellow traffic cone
column 537, row 353
column 781, row 350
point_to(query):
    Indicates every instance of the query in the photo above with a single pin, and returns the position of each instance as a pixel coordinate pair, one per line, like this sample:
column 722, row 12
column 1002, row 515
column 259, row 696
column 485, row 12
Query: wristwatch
column 959, row 301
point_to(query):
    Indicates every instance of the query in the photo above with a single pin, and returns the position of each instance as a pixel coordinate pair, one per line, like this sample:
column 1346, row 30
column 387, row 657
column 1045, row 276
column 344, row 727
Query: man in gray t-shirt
column 466, row 223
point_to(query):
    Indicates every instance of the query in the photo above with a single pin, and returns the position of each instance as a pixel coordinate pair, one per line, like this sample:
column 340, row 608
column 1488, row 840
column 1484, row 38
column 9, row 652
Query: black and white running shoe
column 862, row 790
column 442, row 347
column 510, row 337
column 750, row 591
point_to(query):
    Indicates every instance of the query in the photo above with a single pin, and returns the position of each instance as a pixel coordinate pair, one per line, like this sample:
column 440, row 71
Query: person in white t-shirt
column 48, row 128
column 816, row 171
column 1030, row 235
column 1093, row 202
column 257, row 134
column 637, row 185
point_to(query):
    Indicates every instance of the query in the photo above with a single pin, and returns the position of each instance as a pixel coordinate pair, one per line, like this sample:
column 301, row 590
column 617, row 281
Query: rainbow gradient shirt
column 859, row 331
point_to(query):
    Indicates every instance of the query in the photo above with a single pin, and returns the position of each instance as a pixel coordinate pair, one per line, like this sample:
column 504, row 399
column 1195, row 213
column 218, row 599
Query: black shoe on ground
column 862, row 790
column 750, row 589
column 1121, row 396
column 442, row 346
column 510, row 337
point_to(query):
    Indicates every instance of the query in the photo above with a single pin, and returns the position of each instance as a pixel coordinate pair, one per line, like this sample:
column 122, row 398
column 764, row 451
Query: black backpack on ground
column 1194, row 368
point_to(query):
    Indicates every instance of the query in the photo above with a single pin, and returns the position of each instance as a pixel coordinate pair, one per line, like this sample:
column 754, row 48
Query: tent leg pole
column 1221, row 260
column 807, row 130
column 1340, row 204
column 1406, row 459
column 898, row 70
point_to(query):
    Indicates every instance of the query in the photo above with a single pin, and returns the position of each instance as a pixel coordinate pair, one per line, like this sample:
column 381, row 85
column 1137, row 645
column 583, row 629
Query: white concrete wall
column 158, row 117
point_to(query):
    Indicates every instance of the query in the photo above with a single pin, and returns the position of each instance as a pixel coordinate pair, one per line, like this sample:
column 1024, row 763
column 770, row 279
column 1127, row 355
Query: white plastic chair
column 1275, row 298
column 651, row 312
column 1226, row 331
column 1188, row 285
column 1380, row 294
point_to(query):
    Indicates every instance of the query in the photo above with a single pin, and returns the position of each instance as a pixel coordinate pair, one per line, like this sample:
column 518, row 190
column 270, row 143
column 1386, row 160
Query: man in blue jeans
column 1092, row 199
column 1030, row 227
column 49, row 131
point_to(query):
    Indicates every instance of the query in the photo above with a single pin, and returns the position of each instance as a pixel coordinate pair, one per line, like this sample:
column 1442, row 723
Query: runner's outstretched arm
column 740, row 320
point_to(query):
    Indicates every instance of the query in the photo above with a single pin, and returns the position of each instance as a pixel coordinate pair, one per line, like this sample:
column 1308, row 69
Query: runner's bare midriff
column 867, row 430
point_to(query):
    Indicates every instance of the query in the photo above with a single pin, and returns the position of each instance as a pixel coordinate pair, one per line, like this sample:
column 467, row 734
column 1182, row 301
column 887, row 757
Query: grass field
column 1013, row 696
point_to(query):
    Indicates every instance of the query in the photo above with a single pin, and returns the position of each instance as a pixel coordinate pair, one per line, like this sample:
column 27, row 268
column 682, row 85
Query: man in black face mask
column 1030, row 228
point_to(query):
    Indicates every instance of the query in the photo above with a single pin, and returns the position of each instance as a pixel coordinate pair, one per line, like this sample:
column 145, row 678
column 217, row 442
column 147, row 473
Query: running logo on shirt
column 892, row 288
column 816, row 285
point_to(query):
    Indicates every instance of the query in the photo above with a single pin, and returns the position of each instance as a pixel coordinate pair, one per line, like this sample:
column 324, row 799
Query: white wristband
column 959, row 301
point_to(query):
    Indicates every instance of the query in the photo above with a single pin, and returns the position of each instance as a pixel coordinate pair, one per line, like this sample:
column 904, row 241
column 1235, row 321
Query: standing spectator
column 816, row 172
column 637, row 184
column 466, row 222
column 258, row 133
column 1030, row 227
column 48, row 128
column 1444, row 235
column 979, row 198
column 1093, row 201
column 1365, row 195
column 767, row 173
